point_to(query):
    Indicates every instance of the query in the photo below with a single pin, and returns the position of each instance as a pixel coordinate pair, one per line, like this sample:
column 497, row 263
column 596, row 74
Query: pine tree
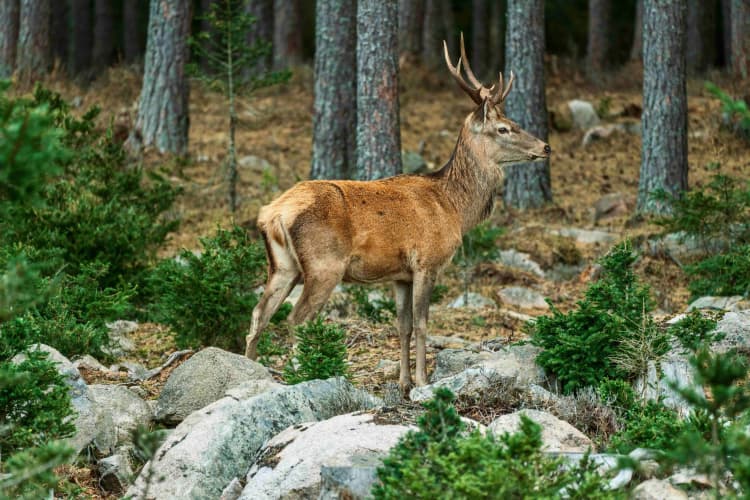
column 9, row 11
column 480, row 31
column 636, row 50
column 262, row 29
column 410, row 19
column 104, row 36
column 287, row 34
column 82, row 36
column 599, row 35
column 740, row 29
column 33, row 54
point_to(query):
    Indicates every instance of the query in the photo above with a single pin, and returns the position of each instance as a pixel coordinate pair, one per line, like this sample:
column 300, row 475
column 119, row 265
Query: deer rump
column 360, row 231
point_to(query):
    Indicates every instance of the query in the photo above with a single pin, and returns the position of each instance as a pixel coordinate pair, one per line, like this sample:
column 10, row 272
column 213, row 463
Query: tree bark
column 527, row 185
column 726, row 32
column 334, row 110
column 694, row 51
column 636, row 50
column 598, row 36
column 434, row 32
column 59, row 31
column 480, row 14
column 497, row 36
column 410, row 20
column 378, row 133
column 104, row 39
column 132, row 31
column 664, row 152
column 9, row 20
column 262, row 30
column 34, row 54
column 83, row 36
column 287, row 35
column 163, row 106
column 740, row 28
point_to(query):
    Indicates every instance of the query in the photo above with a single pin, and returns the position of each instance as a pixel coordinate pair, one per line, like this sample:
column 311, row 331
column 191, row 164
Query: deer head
column 500, row 139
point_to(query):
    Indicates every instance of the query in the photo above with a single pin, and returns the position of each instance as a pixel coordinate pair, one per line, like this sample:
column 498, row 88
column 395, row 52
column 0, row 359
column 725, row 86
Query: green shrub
column 208, row 297
column 647, row 425
column 29, row 474
column 320, row 352
column 378, row 310
column 723, row 274
column 441, row 461
column 694, row 331
column 580, row 347
column 735, row 110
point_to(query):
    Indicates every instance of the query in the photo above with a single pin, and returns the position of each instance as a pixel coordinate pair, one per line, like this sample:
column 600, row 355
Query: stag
column 403, row 229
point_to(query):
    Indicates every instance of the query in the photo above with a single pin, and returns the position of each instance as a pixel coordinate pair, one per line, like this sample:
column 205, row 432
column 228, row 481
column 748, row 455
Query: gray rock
column 583, row 114
column 126, row 409
column 605, row 464
column 520, row 296
column 736, row 329
column 557, row 435
column 657, row 489
column 475, row 301
column 718, row 303
column 87, row 420
column 254, row 163
column 413, row 163
column 517, row 360
column 89, row 362
column 682, row 246
column 673, row 368
column 232, row 491
column 521, row 261
column 116, row 472
column 219, row 442
column 564, row 272
column 120, row 343
column 251, row 388
column 351, row 482
column 390, row 369
column 611, row 205
column 586, row 236
column 203, row 379
column 290, row 463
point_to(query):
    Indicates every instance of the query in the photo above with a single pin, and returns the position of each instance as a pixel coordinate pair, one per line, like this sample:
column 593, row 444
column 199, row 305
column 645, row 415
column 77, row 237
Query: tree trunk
column 334, row 110
column 599, row 33
column 287, row 33
column 636, row 50
column 480, row 14
column 740, row 26
column 262, row 30
column 527, row 185
column 9, row 12
column 132, row 32
column 497, row 36
column 34, row 55
column 726, row 32
column 434, row 32
column 694, row 51
column 163, row 106
column 104, row 39
column 410, row 19
column 378, row 133
column 83, row 36
column 59, row 32
column 664, row 152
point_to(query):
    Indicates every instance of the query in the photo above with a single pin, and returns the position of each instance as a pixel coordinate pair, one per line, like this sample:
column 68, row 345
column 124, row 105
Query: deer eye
column 502, row 130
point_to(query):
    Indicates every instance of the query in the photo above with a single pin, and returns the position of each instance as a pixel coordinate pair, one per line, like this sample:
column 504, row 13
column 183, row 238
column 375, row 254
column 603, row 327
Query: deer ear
column 484, row 110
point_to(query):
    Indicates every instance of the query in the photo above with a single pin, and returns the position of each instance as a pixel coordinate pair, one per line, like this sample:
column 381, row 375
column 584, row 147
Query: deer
column 402, row 229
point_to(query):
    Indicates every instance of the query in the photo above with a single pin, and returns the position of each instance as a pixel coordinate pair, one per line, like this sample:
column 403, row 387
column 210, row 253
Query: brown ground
column 276, row 125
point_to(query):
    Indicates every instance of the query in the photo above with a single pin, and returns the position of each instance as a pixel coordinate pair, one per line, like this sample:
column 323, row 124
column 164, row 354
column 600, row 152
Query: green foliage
column 478, row 245
column 378, row 310
column 441, row 461
column 320, row 352
column 438, row 293
column 647, row 425
column 723, row 274
column 208, row 297
column 581, row 347
column 29, row 474
column 695, row 330
column 34, row 404
column 735, row 110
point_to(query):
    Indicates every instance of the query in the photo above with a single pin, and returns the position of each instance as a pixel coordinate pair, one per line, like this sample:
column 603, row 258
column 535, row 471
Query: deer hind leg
column 283, row 274
column 405, row 326
column 422, row 289
column 319, row 284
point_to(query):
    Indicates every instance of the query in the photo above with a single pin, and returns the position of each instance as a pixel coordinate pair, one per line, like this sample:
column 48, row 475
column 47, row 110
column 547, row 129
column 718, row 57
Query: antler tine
column 456, row 73
column 467, row 67
column 510, row 86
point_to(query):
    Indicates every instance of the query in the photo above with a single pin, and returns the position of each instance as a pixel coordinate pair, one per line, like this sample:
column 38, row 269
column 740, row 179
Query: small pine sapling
column 228, row 55
column 320, row 352
column 478, row 245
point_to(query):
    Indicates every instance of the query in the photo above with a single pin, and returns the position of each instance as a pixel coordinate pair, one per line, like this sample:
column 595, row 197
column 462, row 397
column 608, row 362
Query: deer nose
column 547, row 149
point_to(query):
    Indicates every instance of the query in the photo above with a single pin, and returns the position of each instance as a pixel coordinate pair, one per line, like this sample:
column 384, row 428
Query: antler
column 502, row 92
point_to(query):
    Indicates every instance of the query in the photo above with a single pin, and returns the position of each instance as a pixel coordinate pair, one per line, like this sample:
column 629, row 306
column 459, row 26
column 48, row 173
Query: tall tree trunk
column 599, row 33
column 497, row 36
column 694, row 51
column 527, row 185
column 664, row 152
column 82, row 35
column 104, row 38
column 726, row 32
column 132, row 31
column 34, row 54
column 59, row 31
column 435, row 30
column 740, row 26
column 480, row 33
column 410, row 19
column 334, row 111
column 378, row 133
column 163, row 106
column 287, row 33
column 9, row 12
column 636, row 50
column 262, row 30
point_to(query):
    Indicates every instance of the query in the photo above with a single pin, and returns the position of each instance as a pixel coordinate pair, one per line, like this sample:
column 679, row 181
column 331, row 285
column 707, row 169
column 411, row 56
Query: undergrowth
column 320, row 352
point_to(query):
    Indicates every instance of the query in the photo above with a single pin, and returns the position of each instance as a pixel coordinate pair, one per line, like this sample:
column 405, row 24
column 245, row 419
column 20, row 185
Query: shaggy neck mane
column 469, row 181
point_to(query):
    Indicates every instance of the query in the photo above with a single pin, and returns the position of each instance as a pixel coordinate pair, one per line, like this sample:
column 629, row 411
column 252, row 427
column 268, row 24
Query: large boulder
column 126, row 410
column 518, row 361
column 658, row 489
column 472, row 300
column 218, row 443
column 521, row 261
column 583, row 114
column 557, row 435
column 88, row 421
column 289, row 465
column 203, row 379
column 674, row 369
column 586, row 236
column 731, row 303
column 736, row 329
column 523, row 297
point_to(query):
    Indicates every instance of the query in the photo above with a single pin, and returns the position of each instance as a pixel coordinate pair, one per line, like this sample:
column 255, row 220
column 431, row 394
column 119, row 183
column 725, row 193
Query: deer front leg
column 422, row 289
column 405, row 326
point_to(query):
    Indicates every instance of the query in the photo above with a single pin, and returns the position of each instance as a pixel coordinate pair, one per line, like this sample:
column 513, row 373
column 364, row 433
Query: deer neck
column 470, row 179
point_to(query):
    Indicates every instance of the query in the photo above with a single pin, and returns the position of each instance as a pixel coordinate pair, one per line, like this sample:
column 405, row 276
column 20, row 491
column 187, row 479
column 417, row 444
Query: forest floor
column 274, row 141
